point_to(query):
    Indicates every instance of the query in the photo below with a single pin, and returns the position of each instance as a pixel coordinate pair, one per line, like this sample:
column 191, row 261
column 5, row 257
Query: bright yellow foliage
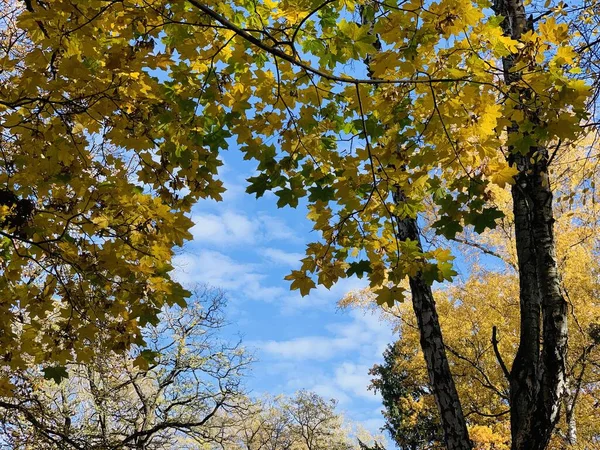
column 489, row 297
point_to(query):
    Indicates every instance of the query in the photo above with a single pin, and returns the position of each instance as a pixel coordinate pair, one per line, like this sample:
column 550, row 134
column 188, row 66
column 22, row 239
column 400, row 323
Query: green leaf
column 485, row 219
column 388, row 296
column 56, row 373
column 324, row 194
column 147, row 315
column 314, row 46
column 446, row 271
column 286, row 197
column 447, row 227
column 145, row 358
column 359, row 268
column 301, row 281
column 258, row 185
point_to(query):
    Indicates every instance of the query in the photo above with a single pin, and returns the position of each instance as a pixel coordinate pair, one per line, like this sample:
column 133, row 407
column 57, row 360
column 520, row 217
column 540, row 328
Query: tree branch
column 293, row 60
column 498, row 355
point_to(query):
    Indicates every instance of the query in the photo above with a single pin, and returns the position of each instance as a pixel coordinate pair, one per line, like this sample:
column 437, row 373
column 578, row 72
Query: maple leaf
column 389, row 295
column 504, row 176
column 359, row 268
column 56, row 373
column 301, row 282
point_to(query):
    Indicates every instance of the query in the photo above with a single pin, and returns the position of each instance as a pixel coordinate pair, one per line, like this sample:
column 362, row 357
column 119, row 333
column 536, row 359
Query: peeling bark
column 570, row 401
column 554, row 307
column 524, row 386
column 538, row 381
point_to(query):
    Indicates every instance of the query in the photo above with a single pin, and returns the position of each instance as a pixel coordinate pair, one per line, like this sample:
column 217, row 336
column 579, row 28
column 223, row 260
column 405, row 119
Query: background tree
column 304, row 421
column 316, row 423
column 411, row 417
column 120, row 401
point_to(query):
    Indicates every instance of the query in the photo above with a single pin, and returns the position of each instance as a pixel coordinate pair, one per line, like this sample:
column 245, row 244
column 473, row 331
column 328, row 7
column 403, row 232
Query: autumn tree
column 89, row 221
column 411, row 418
column 304, row 421
column 120, row 401
column 480, row 321
column 479, row 317
column 113, row 115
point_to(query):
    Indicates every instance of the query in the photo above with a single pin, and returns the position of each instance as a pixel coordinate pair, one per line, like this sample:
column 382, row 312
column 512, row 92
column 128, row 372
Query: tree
column 480, row 322
column 88, row 219
column 470, row 313
column 304, row 421
column 141, row 96
column 316, row 423
column 120, row 401
column 411, row 417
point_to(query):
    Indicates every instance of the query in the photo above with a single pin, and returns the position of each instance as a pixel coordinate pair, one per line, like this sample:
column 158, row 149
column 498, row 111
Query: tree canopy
column 170, row 393
column 113, row 115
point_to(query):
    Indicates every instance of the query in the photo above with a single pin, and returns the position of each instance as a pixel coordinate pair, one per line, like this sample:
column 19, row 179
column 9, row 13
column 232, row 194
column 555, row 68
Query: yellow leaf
column 101, row 221
column 565, row 55
column 388, row 296
column 503, row 176
column 301, row 282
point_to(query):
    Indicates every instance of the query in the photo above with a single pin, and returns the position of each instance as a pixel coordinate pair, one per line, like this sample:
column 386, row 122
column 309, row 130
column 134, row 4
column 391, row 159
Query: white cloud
column 355, row 380
column 328, row 391
column 219, row 270
column 305, row 348
column 334, row 364
column 366, row 329
column 273, row 228
column 234, row 228
column 255, row 280
column 281, row 257
column 227, row 228
column 316, row 380
column 364, row 336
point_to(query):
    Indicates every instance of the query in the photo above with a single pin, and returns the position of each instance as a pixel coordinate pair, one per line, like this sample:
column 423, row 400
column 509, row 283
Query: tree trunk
column 524, row 387
column 554, row 307
column 537, row 382
column 569, row 401
column 456, row 435
column 524, row 377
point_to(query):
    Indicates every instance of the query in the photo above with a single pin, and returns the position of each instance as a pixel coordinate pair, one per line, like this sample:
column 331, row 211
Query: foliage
column 304, row 421
column 487, row 299
column 376, row 446
column 411, row 417
column 113, row 114
column 162, row 397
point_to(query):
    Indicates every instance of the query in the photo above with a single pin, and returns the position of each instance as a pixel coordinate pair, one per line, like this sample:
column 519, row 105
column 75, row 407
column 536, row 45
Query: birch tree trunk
column 569, row 402
column 456, row 435
column 538, row 376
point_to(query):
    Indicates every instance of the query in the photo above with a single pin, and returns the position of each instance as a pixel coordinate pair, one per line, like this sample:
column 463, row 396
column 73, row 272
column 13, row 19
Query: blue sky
column 246, row 246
